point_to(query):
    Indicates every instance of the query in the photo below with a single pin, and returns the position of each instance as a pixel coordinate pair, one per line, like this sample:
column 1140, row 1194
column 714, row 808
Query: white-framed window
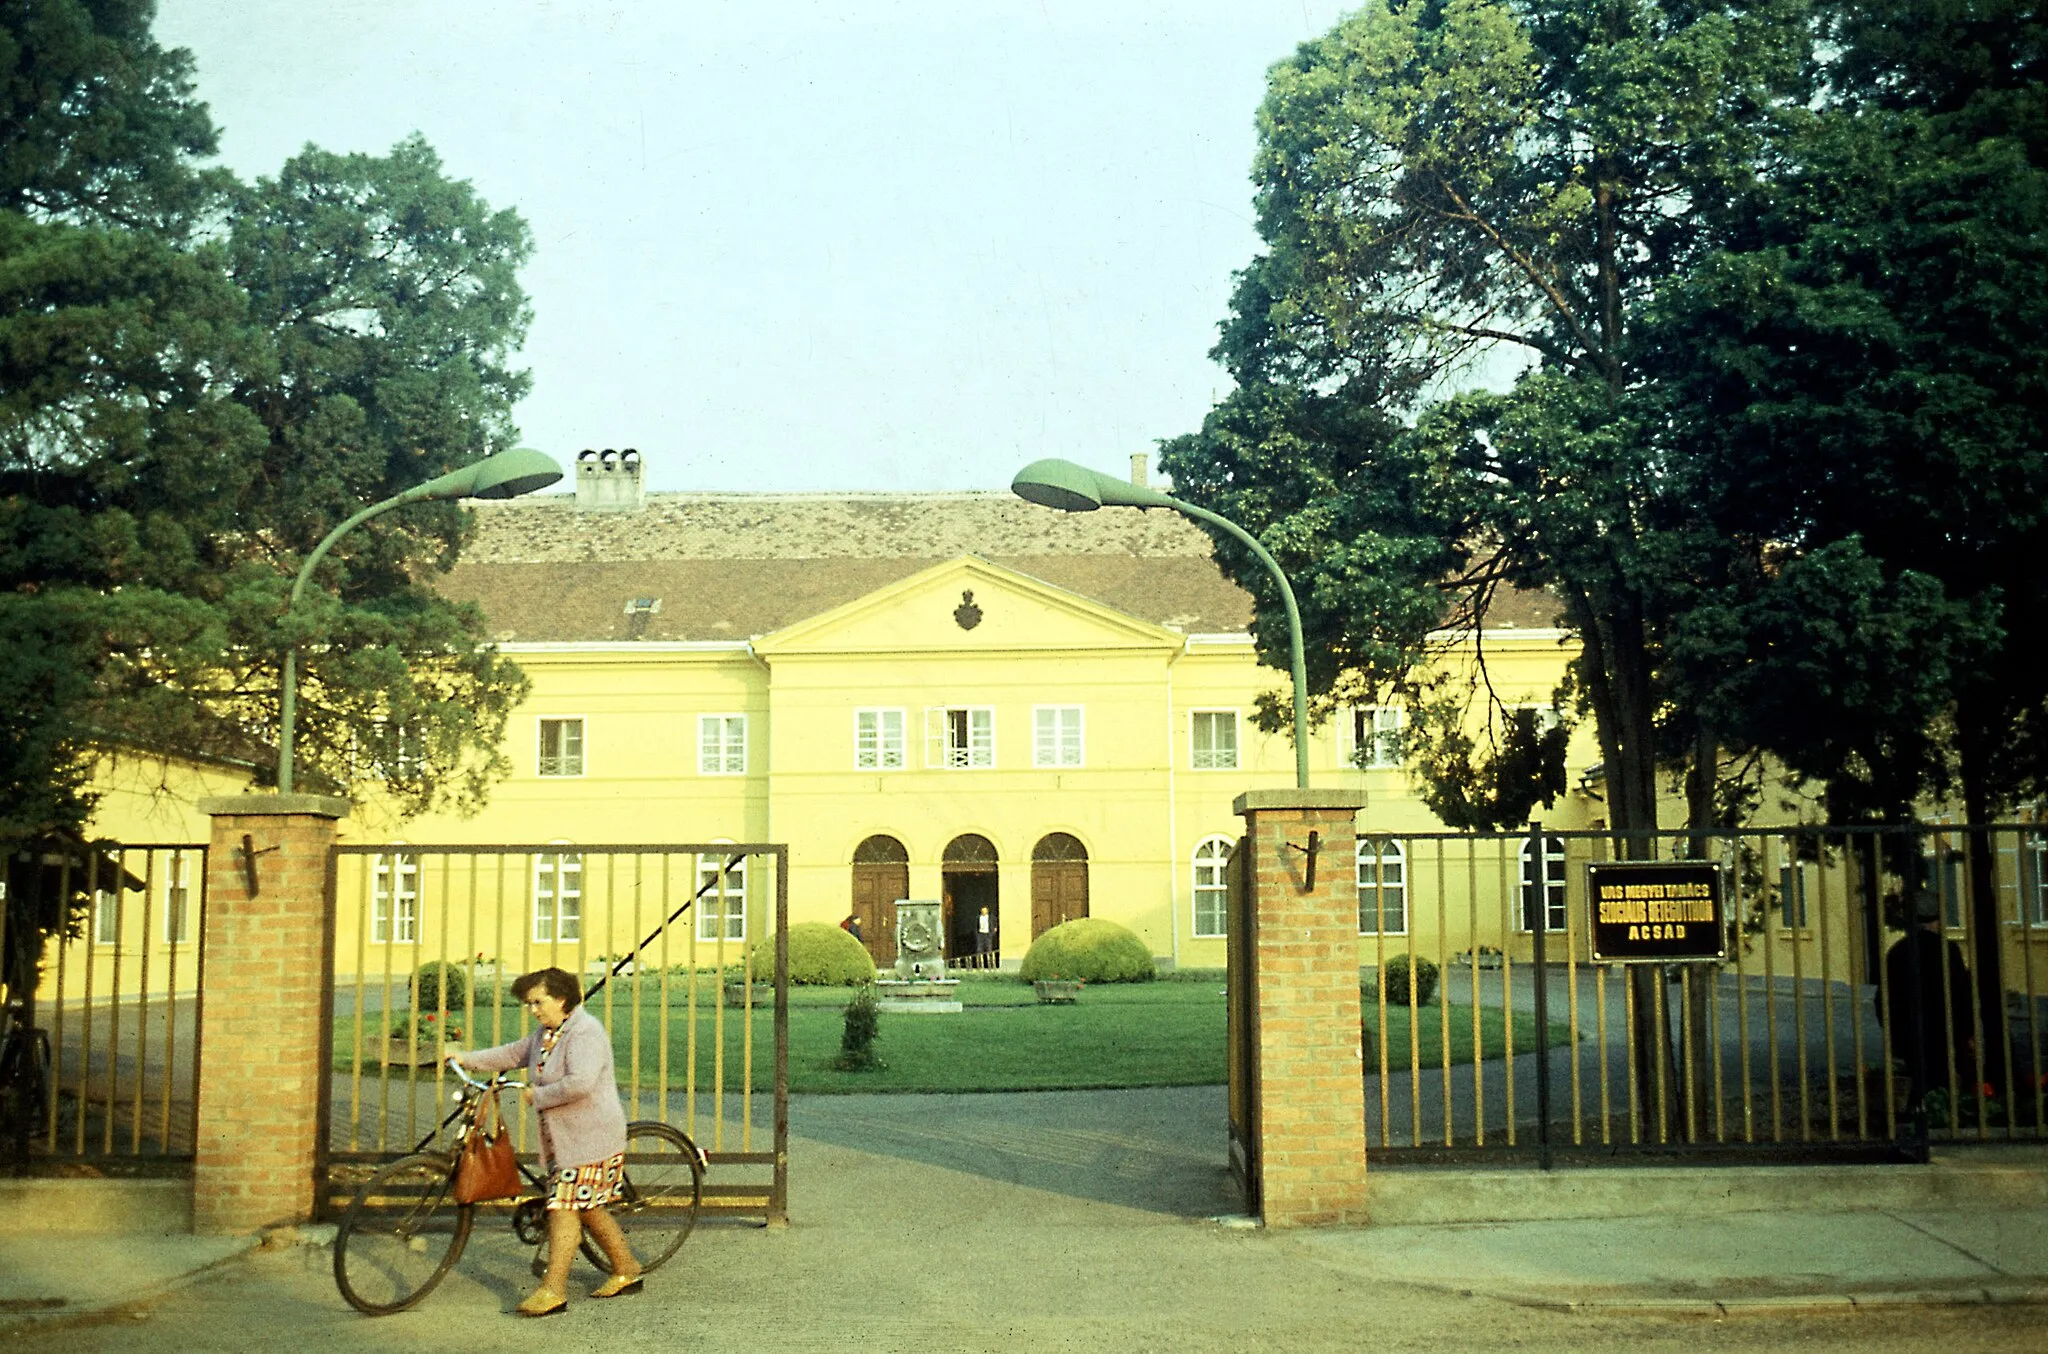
column 178, row 899
column 721, row 905
column 1212, row 886
column 395, row 899
column 106, row 916
column 557, row 897
column 1948, row 876
column 1376, row 733
column 2034, row 878
column 1545, row 717
column 1382, row 887
column 878, row 740
column 561, row 747
column 1056, row 735
column 1795, row 879
column 1213, row 739
column 1545, row 889
column 960, row 736
column 722, row 745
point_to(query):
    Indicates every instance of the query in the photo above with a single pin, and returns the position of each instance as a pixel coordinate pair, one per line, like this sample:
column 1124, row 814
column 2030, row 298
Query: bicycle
column 404, row 1231
column 24, row 1082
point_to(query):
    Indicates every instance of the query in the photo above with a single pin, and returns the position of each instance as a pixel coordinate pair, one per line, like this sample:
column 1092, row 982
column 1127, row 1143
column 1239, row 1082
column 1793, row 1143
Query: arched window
column 1382, row 887
column 880, row 849
column 1546, row 892
column 1212, row 886
column 1059, row 846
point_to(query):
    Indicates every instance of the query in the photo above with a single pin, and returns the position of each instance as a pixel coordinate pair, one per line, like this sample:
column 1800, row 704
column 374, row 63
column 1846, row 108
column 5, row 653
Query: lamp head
column 505, row 475
column 1054, row 483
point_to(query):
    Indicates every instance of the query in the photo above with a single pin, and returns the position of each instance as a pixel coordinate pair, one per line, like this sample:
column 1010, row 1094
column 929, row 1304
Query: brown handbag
column 486, row 1168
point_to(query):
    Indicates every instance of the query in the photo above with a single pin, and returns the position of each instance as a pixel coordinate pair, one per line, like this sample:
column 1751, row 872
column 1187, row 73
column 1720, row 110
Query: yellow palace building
column 1028, row 714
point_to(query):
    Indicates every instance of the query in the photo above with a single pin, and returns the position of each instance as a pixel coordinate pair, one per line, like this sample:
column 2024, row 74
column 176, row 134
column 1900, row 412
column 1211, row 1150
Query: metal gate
column 118, row 998
column 667, row 940
column 1491, row 1031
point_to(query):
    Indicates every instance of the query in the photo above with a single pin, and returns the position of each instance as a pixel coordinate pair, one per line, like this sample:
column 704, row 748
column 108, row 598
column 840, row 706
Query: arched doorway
column 968, row 871
column 1059, row 882
column 881, row 875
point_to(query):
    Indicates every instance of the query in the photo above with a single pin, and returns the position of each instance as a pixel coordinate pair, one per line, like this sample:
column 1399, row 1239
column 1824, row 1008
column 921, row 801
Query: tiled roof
column 737, row 566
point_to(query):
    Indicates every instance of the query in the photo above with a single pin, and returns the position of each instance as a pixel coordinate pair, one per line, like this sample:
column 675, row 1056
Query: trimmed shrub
column 1091, row 950
column 438, row 986
column 1394, row 981
column 863, row 1025
column 820, row 955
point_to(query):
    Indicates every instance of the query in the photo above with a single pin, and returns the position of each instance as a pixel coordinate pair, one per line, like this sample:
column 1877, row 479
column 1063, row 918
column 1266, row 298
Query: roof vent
column 640, row 612
column 608, row 481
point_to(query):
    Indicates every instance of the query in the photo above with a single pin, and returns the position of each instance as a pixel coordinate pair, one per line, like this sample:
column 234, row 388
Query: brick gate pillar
column 1307, row 1065
column 268, row 955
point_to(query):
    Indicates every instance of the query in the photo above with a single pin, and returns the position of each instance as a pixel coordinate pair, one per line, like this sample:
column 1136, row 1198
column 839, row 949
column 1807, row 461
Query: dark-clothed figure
column 1929, row 984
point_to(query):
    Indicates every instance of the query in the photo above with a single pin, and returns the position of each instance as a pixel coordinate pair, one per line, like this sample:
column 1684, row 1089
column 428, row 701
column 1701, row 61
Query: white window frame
column 1557, row 899
column 1058, row 736
column 1211, row 876
column 877, row 746
column 1211, row 758
column 722, row 744
column 721, row 901
column 1376, row 733
column 2033, row 848
column 562, row 758
column 395, row 912
column 177, row 921
column 558, row 878
column 1795, row 890
column 1378, row 896
column 960, row 737
column 106, row 916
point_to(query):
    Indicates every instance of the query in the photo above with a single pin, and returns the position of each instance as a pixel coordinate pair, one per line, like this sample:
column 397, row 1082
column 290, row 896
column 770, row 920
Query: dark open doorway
column 973, row 925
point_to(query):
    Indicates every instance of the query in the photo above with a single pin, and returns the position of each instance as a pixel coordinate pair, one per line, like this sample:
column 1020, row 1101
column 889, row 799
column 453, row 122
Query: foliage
column 1406, row 980
column 820, row 955
column 862, row 1026
column 185, row 411
column 1090, row 950
column 425, row 1027
column 439, row 986
column 1440, row 180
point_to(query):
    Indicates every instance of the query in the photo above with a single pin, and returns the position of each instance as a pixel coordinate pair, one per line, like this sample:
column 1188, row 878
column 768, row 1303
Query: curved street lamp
column 1074, row 488
column 505, row 475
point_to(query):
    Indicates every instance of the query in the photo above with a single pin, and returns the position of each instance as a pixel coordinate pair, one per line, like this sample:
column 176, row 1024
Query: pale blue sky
column 810, row 246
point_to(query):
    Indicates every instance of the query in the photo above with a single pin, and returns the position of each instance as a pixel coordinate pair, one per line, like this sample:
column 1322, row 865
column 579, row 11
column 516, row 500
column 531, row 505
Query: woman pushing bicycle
column 570, row 1080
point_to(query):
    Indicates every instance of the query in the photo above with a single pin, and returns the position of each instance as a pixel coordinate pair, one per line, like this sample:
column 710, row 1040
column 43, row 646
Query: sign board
column 1656, row 912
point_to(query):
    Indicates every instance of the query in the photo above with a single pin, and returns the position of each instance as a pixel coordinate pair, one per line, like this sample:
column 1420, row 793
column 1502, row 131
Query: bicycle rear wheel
column 401, row 1234
column 664, row 1190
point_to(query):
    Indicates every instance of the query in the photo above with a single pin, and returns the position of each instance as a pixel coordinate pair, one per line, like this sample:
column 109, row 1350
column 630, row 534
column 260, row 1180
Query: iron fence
column 118, row 997
column 666, row 940
column 1491, row 1029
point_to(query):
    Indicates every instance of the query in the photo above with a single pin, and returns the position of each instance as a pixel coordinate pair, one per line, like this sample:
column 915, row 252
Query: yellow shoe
column 618, row 1285
column 543, row 1301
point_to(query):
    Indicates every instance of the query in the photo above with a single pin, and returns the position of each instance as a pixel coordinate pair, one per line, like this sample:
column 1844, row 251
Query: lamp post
column 505, row 475
column 1074, row 488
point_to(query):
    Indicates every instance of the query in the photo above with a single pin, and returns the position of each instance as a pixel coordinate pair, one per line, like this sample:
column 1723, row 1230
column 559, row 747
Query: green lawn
column 1116, row 1035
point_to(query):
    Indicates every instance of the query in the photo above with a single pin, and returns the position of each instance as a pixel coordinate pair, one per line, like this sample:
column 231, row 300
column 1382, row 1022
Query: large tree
column 197, row 380
column 1441, row 181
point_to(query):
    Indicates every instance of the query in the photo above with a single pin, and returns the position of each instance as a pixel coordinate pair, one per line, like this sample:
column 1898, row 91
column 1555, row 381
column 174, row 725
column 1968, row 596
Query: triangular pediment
column 967, row 605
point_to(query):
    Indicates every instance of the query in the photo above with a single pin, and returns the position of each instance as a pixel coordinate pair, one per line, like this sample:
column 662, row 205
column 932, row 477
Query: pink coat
column 576, row 1091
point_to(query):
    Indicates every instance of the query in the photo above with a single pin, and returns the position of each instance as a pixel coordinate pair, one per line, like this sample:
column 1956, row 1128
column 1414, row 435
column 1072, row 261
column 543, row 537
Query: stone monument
column 920, row 984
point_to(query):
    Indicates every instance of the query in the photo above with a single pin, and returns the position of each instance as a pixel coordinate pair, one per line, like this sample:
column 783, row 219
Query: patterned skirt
column 587, row 1187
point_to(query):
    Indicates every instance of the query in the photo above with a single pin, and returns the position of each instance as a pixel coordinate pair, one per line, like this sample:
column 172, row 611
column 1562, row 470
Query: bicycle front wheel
column 664, row 1189
column 401, row 1234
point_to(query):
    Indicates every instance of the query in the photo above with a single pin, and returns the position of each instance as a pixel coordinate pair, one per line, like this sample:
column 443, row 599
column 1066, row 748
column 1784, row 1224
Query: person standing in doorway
column 1928, row 988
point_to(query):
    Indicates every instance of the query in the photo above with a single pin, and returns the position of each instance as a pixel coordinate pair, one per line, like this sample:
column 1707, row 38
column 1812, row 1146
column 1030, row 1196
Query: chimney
column 1138, row 469
column 608, row 481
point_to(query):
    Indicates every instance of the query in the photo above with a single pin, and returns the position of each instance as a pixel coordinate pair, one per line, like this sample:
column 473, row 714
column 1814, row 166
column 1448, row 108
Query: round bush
column 439, row 987
column 820, row 955
column 1394, row 980
column 1092, row 950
